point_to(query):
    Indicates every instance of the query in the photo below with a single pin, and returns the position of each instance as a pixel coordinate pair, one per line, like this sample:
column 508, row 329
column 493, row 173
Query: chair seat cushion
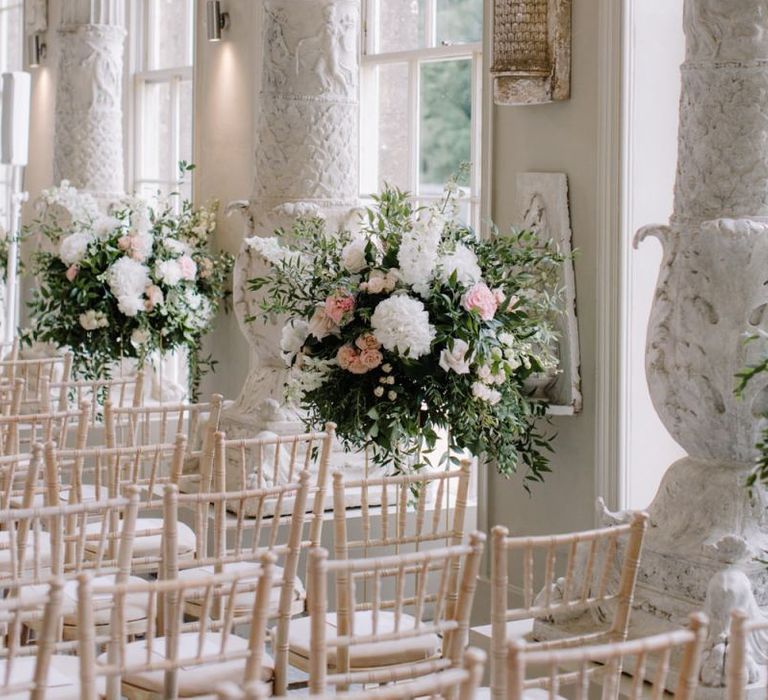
column 150, row 545
column 135, row 607
column 244, row 600
column 370, row 655
column 194, row 680
column 530, row 694
column 87, row 494
column 41, row 540
column 62, row 683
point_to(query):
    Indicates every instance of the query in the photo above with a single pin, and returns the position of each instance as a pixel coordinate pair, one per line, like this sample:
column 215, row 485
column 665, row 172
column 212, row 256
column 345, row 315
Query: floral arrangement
column 412, row 326
column 135, row 281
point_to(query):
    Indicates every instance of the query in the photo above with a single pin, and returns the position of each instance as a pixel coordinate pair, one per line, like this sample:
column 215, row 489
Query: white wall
column 655, row 49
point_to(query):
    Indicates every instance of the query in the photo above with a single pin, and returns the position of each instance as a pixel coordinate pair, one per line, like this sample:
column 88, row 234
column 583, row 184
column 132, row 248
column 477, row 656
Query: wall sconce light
column 37, row 49
column 217, row 20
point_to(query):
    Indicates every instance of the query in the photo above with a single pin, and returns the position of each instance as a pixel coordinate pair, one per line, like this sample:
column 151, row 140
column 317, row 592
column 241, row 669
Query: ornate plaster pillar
column 88, row 148
column 306, row 163
column 707, row 531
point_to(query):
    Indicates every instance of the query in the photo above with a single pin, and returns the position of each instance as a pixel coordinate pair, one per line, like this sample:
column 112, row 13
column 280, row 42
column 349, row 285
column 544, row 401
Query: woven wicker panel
column 521, row 37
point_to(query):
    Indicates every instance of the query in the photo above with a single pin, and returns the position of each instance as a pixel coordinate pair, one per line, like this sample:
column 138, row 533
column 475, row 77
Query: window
column 162, row 97
column 421, row 97
column 11, row 58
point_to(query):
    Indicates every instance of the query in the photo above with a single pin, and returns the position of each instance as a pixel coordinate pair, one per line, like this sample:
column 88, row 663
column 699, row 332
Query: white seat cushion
column 532, row 694
column 87, row 492
column 244, row 600
column 194, row 680
column 370, row 655
column 44, row 551
column 63, row 681
column 150, row 545
column 135, row 607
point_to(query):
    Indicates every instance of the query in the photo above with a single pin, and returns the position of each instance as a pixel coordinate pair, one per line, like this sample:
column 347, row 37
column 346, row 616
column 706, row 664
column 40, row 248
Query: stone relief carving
column 35, row 16
column 542, row 206
column 531, row 51
column 727, row 30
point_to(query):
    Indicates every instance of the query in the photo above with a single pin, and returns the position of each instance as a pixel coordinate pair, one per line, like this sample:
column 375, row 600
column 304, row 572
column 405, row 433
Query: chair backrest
column 212, row 638
column 20, row 479
column 34, row 372
column 648, row 660
column 122, row 392
column 18, row 433
column 24, row 668
column 9, row 351
column 459, row 683
column 11, row 396
column 411, row 590
column 743, row 630
column 144, row 425
column 563, row 575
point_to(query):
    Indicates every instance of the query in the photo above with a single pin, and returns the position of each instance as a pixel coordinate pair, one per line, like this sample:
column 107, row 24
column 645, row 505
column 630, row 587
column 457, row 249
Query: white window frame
column 372, row 58
column 6, row 175
column 142, row 41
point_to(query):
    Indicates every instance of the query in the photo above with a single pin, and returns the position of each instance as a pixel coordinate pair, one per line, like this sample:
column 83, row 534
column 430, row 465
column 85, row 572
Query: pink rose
column 188, row 267
column 499, row 295
column 481, row 299
column 125, row 243
column 339, row 306
column 72, row 272
column 206, row 268
column 321, row 325
column 368, row 341
column 154, row 296
column 357, row 366
column 371, row 359
column 346, row 356
column 513, row 301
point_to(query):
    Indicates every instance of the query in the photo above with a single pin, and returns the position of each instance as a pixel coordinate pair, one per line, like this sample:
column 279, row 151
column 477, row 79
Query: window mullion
column 414, row 135
column 430, row 23
column 175, row 96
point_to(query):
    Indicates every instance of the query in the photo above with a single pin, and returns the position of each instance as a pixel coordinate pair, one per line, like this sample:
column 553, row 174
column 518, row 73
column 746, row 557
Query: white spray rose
column 456, row 359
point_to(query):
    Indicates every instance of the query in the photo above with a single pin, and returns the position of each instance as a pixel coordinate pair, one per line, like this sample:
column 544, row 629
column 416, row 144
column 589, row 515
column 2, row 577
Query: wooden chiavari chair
column 9, row 351
column 11, row 396
column 191, row 659
column 737, row 669
column 648, row 660
column 407, row 629
column 590, row 574
column 121, row 392
column 146, row 425
column 460, row 683
column 109, row 472
column 34, row 372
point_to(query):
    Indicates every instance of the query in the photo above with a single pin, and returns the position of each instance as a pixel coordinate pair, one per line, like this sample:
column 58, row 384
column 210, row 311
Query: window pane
column 446, row 122
column 170, row 24
column 156, row 143
column 401, row 25
column 186, row 111
column 459, row 21
column 393, row 125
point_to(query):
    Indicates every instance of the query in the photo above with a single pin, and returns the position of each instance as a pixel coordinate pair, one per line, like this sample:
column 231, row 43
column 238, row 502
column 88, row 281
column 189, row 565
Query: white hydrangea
column 105, row 226
column 463, row 262
column 401, row 323
column 312, row 375
column 72, row 248
column 91, row 320
column 418, row 255
column 169, row 272
column 82, row 207
column 127, row 280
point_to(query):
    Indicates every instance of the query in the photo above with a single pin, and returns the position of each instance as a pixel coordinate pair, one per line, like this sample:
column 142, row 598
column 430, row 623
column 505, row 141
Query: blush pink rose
column 513, row 302
column 320, row 325
column 72, row 272
column 371, row 359
column 357, row 366
column 188, row 267
column 346, row 356
column 368, row 341
column 154, row 296
column 339, row 306
column 481, row 299
column 125, row 243
column 498, row 293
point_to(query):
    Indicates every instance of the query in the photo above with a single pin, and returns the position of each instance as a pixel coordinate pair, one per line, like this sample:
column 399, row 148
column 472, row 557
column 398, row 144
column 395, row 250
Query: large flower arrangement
column 413, row 326
column 127, row 284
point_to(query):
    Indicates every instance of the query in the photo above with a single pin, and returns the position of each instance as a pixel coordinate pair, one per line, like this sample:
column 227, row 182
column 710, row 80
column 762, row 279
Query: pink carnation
column 188, row 267
column 339, row 306
column 72, row 272
column 481, row 299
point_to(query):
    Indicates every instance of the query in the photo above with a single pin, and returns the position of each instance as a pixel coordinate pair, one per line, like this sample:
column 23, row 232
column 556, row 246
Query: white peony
column 463, row 262
column 456, row 359
column 91, row 320
column 401, row 323
column 73, row 248
column 127, row 280
column 353, row 255
column 295, row 334
column 418, row 254
column 168, row 271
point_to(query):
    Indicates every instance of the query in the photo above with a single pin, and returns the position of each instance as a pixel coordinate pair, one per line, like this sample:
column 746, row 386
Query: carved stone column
column 88, row 149
column 707, row 531
column 306, row 162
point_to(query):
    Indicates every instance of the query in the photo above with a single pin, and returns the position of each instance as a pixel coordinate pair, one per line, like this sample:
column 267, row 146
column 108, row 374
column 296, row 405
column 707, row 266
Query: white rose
column 91, row 320
column 353, row 255
column 73, row 248
column 139, row 337
column 294, row 335
column 456, row 360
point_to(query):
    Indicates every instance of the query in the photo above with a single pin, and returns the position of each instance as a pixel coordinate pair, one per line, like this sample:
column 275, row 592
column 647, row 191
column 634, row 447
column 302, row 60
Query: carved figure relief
column 35, row 16
column 531, row 51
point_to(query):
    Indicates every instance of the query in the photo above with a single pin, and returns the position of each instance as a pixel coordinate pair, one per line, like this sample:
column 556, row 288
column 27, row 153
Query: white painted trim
column 611, row 331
